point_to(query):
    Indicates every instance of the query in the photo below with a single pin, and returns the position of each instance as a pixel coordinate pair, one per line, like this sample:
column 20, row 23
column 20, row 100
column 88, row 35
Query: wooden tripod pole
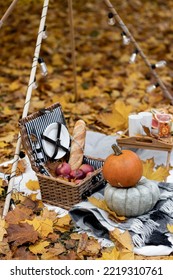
column 27, row 103
column 8, row 12
column 73, row 48
column 127, row 32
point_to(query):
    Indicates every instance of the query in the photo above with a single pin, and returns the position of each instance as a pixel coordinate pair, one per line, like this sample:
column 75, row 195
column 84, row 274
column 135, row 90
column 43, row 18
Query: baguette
column 77, row 145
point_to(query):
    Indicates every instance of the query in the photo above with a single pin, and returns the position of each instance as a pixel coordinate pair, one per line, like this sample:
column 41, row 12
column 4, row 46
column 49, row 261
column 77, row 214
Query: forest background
column 106, row 82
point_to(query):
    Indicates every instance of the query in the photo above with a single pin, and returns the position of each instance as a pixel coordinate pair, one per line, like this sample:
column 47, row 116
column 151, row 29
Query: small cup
column 164, row 127
column 146, row 120
column 135, row 126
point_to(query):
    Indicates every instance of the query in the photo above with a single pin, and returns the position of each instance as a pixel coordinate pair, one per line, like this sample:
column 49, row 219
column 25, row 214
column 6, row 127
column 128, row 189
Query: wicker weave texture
column 56, row 191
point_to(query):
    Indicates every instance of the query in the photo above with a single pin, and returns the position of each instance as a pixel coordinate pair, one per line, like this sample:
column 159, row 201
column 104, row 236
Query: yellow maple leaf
column 33, row 185
column 123, row 238
column 63, row 99
column 44, row 227
column 39, row 247
column 118, row 119
column 49, row 214
column 14, row 85
column 170, row 228
column 110, row 254
column 7, row 138
column 57, row 60
column 160, row 174
column 63, row 223
column 126, row 255
column 102, row 205
column 35, row 222
column 152, row 172
column 7, row 111
column 3, row 145
column 148, row 166
column 91, row 92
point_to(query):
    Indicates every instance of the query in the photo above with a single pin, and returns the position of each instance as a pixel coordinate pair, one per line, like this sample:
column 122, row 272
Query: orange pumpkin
column 123, row 168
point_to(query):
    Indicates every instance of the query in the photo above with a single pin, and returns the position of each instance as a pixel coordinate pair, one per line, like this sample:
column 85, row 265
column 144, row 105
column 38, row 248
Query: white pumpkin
column 134, row 201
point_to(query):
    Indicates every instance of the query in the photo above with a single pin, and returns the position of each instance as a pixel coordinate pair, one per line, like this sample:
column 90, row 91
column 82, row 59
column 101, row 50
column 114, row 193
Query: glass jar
column 164, row 128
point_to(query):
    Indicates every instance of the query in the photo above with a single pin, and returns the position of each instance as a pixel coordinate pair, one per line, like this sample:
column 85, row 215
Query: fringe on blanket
column 147, row 229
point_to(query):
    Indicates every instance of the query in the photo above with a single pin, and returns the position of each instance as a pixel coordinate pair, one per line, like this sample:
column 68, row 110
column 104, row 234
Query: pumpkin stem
column 116, row 150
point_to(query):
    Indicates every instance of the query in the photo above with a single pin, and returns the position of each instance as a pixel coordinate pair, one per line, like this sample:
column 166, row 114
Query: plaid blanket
column 146, row 230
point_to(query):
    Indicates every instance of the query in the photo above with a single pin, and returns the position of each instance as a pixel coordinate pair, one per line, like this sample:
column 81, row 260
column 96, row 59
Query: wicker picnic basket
column 56, row 191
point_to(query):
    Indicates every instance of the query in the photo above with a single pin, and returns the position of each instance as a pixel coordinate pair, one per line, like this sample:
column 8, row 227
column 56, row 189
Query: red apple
column 86, row 168
column 77, row 174
column 63, row 168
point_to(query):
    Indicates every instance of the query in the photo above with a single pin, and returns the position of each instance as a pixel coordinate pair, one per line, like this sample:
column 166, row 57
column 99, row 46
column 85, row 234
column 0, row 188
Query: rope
column 27, row 103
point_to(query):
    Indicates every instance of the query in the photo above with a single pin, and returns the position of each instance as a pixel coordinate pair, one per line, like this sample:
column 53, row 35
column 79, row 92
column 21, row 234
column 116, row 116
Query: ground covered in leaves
column 107, row 85
column 31, row 232
column 109, row 88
